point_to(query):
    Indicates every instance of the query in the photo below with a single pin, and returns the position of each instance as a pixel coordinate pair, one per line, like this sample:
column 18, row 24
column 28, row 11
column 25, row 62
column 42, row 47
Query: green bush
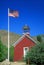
column 11, row 53
column 36, row 55
column 39, row 38
column 32, row 64
column 3, row 52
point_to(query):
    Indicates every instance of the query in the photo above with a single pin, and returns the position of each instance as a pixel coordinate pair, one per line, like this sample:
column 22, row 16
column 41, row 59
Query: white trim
column 26, row 33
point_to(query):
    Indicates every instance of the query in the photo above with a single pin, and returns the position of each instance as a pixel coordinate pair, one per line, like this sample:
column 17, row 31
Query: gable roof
column 22, row 37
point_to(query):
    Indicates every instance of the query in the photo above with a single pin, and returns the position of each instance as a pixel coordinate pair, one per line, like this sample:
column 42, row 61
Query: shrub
column 11, row 53
column 3, row 52
column 39, row 38
column 36, row 55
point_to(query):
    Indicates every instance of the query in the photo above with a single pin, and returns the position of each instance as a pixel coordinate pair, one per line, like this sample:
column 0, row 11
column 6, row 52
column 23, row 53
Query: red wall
column 18, row 49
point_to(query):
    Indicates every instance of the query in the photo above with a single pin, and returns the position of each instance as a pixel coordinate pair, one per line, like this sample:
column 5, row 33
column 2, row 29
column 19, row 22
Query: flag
column 13, row 13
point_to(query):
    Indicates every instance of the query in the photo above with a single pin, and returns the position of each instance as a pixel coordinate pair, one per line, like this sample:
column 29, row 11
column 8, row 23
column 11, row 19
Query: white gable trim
column 22, row 37
column 18, row 40
column 31, row 38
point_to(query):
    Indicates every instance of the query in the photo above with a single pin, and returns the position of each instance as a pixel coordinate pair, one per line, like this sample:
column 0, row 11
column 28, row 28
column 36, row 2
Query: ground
column 14, row 63
column 18, row 63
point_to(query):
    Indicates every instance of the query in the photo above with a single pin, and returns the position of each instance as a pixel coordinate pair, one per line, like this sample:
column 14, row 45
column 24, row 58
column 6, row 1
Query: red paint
column 18, row 49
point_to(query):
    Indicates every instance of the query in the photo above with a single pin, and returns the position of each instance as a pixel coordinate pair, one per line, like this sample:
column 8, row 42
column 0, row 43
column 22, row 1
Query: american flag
column 13, row 13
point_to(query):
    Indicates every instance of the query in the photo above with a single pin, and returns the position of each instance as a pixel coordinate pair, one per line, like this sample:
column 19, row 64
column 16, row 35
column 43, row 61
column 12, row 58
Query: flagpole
column 15, row 15
column 8, row 34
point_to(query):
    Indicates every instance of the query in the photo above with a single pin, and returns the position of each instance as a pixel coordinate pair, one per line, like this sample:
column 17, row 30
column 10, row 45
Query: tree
column 36, row 55
column 39, row 38
column 3, row 52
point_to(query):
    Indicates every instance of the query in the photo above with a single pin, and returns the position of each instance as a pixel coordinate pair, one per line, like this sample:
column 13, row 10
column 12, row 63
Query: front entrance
column 25, row 50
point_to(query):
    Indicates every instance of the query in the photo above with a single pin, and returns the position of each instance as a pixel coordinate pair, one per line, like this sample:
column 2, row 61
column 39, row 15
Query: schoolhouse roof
column 22, row 37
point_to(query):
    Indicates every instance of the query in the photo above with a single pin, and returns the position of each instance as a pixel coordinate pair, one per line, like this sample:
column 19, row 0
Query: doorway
column 25, row 50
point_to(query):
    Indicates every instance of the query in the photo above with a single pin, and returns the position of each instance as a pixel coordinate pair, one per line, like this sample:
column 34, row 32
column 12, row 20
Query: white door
column 25, row 50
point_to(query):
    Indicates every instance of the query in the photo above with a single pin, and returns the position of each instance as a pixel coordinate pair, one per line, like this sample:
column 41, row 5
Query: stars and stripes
column 13, row 13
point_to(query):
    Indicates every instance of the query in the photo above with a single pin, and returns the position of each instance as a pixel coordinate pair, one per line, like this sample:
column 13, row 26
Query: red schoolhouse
column 23, row 44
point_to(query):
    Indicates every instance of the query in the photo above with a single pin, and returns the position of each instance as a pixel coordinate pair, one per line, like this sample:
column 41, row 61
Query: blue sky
column 31, row 12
